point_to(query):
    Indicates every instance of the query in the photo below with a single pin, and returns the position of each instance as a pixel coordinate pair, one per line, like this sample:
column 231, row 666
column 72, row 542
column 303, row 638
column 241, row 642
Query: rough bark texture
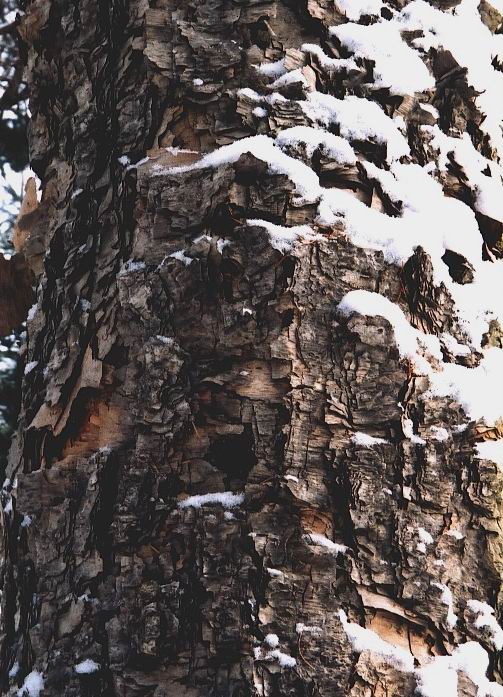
column 153, row 379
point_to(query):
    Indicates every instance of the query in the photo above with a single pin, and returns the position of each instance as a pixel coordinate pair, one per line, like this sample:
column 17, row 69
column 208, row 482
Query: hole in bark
column 170, row 487
column 287, row 318
column 117, row 356
column 223, row 222
column 231, row 273
column 286, row 270
column 250, row 170
column 260, row 33
column 234, row 455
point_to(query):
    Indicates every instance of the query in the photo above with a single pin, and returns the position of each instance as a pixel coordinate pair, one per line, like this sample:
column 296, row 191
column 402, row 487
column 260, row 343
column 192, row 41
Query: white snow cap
column 275, row 573
column 263, row 148
column 333, row 146
column 272, row 70
column 358, row 119
column 408, row 339
column 397, row 66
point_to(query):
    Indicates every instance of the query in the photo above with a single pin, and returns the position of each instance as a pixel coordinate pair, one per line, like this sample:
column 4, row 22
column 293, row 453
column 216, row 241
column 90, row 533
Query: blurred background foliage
column 14, row 163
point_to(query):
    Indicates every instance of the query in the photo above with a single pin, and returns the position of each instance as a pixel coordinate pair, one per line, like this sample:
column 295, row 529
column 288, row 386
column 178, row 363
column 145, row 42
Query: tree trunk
column 223, row 327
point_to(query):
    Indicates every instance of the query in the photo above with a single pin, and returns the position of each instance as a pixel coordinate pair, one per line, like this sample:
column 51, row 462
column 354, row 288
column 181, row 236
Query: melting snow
column 181, row 256
column 439, row 677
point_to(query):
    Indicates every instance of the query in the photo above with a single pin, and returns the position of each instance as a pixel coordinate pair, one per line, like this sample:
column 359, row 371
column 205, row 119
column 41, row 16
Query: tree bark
column 176, row 351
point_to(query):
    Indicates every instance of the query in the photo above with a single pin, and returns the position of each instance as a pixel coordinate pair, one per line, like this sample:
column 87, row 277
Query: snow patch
column 302, row 628
column 447, row 599
column 490, row 450
column 263, row 148
column 227, row 499
column 333, row 146
column 181, row 256
column 365, row 440
column 358, row 119
column 272, row 70
column 366, row 640
column 425, row 539
column 283, row 238
column 272, row 640
column 32, row 686
column 317, row 539
column 87, row 666
column 485, row 618
column 355, row 9
column 284, row 660
column 397, row 66
column 439, row 433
